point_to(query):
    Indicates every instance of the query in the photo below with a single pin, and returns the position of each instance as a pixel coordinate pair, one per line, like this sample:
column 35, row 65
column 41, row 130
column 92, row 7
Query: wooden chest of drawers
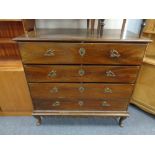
column 81, row 75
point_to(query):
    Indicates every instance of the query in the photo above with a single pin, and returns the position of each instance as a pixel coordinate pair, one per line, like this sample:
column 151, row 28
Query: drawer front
column 77, row 73
column 78, row 104
column 77, row 53
column 48, row 91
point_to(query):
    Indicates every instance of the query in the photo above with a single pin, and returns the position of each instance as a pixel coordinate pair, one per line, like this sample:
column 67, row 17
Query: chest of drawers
column 79, row 74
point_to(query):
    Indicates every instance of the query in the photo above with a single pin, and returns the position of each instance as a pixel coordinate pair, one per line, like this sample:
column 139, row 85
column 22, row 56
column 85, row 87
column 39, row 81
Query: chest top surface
column 81, row 35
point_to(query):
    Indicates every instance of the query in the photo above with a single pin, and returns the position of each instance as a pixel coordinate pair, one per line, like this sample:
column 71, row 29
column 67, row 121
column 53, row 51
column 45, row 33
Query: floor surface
column 139, row 123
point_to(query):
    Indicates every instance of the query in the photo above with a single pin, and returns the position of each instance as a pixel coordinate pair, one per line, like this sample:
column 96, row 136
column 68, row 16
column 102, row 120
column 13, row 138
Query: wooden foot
column 121, row 121
column 38, row 120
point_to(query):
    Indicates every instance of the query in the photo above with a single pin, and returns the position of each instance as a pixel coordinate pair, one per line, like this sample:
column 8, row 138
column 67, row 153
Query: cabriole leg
column 38, row 120
column 121, row 121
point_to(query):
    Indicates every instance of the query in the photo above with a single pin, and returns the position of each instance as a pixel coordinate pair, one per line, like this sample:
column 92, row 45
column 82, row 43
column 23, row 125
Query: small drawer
column 77, row 73
column 79, row 104
column 49, row 91
column 85, row 53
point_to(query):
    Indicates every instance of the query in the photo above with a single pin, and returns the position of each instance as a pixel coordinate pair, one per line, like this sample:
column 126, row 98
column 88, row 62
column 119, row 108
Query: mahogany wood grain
column 8, row 30
column 68, row 104
column 77, row 90
column 11, row 29
column 9, row 51
column 69, row 53
column 68, row 73
column 7, row 41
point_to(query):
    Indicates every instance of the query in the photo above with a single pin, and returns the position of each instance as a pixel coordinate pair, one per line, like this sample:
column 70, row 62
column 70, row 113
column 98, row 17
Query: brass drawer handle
column 114, row 54
column 56, row 104
column 81, row 103
column 49, row 53
column 81, row 89
column 107, row 90
column 54, row 90
column 110, row 73
column 52, row 73
column 105, row 104
column 82, row 52
column 81, row 72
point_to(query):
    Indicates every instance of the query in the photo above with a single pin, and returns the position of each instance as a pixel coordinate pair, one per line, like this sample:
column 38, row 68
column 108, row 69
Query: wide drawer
column 48, row 91
column 78, row 104
column 77, row 73
column 85, row 53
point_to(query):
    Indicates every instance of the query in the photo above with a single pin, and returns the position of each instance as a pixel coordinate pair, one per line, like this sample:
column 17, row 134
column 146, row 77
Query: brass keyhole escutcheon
column 81, row 72
column 82, row 52
column 81, row 103
column 81, row 89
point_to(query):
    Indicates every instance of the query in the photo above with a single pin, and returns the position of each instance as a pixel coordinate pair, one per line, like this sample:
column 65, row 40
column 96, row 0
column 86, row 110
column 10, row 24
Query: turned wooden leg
column 38, row 120
column 121, row 121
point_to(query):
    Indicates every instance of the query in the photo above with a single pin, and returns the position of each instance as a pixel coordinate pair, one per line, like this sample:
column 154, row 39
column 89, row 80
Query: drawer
column 77, row 73
column 85, row 53
column 48, row 91
column 78, row 104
